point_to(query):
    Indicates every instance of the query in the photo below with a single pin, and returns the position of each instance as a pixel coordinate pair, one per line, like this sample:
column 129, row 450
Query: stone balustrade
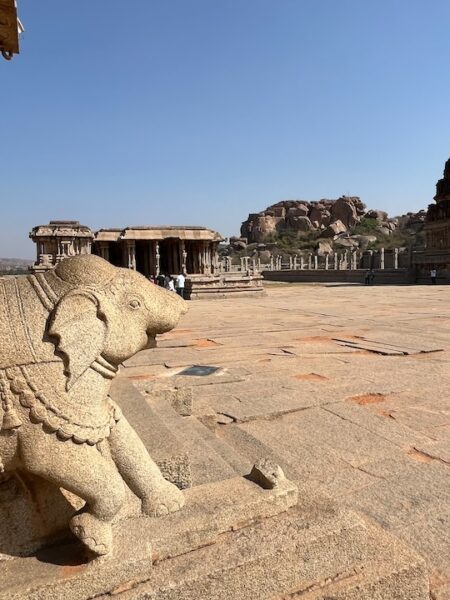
column 393, row 258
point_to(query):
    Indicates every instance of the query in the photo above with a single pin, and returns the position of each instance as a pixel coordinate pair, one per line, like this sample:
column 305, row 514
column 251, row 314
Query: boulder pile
column 331, row 218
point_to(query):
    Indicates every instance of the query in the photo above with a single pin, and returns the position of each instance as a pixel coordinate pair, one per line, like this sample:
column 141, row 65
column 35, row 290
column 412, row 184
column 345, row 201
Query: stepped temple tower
column 437, row 233
column 438, row 216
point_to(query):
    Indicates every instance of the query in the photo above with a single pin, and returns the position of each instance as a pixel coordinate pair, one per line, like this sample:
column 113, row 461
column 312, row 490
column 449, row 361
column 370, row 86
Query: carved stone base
column 233, row 540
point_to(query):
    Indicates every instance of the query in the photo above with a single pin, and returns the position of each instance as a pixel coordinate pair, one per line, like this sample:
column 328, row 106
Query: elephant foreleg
column 82, row 470
column 140, row 472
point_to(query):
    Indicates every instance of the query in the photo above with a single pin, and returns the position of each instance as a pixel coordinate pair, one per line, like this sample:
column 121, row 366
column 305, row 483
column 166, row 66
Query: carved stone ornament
column 63, row 335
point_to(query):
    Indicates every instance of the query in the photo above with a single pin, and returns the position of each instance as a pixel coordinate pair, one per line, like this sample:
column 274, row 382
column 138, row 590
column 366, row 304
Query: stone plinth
column 223, row 285
column 232, row 540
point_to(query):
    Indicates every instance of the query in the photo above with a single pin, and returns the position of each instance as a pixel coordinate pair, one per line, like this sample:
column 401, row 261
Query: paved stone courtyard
column 346, row 387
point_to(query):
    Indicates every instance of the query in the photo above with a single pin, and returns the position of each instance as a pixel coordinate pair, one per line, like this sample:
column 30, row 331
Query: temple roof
column 61, row 229
column 157, row 233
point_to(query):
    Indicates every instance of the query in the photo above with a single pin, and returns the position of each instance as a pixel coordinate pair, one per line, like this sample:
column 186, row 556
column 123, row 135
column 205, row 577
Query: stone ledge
column 211, row 510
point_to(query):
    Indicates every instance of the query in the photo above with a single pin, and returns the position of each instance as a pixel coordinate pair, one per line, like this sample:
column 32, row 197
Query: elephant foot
column 165, row 499
column 95, row 534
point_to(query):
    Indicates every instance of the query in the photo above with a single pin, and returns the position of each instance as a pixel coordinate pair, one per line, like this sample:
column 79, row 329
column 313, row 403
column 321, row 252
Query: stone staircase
column 259, row 537
column 188, row 452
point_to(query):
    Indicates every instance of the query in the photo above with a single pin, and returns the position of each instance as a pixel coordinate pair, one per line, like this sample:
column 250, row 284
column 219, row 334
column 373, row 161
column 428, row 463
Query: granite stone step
column 206, row 461
column 167, row 449
column 314, row 551
column 236, row 541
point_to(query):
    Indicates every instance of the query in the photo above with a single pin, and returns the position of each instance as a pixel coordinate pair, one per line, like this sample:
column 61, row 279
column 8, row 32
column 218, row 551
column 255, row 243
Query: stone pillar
column 326, row 262
column 309, row 261
column 253, row 266
column 295, row 262
column 316, row 262
column 131, row 254
column 259, row 264
column 335, row 261
column 103, row 249
column 271, row 262
column 395, row 258
column 302, row 262
column 290, row 263
column 382, row 258
column 158, row 259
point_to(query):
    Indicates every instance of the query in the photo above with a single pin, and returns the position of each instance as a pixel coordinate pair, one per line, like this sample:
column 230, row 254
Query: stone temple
column 437, row 231
column 150, row 250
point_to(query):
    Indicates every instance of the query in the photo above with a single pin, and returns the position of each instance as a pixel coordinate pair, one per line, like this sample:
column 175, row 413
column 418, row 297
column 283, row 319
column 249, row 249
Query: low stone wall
column 382, row 277
column 224, row 285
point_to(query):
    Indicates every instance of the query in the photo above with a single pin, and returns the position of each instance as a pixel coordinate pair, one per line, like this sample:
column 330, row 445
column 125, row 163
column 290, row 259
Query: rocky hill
column 330, row 217
column 327, row 225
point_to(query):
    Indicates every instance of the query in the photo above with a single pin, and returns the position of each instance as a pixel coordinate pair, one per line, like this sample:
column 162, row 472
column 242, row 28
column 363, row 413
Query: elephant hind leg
column 82, row 470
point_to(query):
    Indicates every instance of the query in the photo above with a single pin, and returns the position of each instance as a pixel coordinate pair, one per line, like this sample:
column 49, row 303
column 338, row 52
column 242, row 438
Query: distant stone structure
column 150, row 250
column 437, row 231
column 438, row 216
column 58, row 240
column 154, row 250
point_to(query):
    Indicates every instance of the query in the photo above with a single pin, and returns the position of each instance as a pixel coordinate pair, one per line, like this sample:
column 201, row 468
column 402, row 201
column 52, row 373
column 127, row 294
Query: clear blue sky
column 201, row 111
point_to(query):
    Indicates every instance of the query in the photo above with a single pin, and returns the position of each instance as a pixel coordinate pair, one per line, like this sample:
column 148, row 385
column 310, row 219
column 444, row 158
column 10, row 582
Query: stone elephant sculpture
column 63, row 334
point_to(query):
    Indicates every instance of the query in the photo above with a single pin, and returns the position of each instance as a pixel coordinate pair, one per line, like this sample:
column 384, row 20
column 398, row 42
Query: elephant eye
column 134, row 304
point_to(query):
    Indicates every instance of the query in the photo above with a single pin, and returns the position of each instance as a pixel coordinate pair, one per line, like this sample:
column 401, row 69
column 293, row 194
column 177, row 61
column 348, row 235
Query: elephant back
column 15, row 343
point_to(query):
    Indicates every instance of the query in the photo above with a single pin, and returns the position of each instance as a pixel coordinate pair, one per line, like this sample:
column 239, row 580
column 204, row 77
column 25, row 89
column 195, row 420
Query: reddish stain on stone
column 71, row 570
column 367, row 399
column 205, row 343
column 419, row 456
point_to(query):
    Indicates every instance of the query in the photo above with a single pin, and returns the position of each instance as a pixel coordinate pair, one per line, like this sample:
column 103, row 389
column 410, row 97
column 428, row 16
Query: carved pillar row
column 103, row 249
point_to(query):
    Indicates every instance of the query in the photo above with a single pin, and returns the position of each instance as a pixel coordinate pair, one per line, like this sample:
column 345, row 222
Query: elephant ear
column 80, row 329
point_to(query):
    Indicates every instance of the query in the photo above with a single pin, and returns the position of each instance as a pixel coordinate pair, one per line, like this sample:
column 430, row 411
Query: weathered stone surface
column 313, row 550
column 63, row 335
column 379, row 215
column 166, row 449
column 381, row 451
column 324, row 248
column 335, row 228
column 347, row 210
column 210, row 511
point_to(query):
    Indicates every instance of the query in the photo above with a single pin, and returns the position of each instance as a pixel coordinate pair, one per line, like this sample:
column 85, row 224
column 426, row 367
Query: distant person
column 167, row 280
column 171, row 285
column 370, row 276
column 160, row 280
column 180, row 283
column 433, row 275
